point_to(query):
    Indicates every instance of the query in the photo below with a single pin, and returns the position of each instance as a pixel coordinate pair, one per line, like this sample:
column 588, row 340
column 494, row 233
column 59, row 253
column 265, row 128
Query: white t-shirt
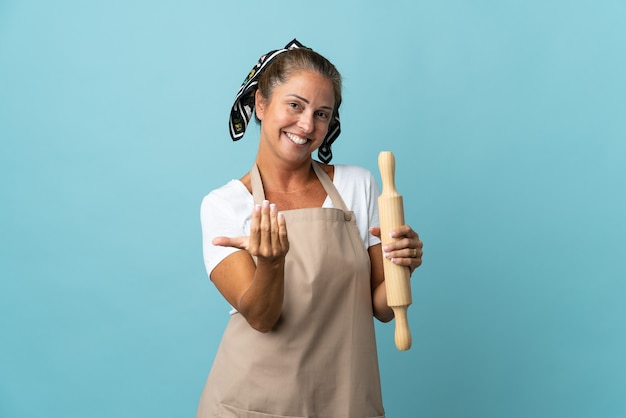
column 227, row 211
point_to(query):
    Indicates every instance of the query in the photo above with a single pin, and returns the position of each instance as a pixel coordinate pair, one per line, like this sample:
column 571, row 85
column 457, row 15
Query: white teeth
column 296, row 139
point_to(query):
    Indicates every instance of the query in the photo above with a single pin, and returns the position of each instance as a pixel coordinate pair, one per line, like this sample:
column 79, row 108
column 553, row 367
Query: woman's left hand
column 405, row 249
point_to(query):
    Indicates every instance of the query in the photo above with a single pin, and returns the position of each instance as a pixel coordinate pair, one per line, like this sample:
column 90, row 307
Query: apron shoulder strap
column 258, row 193
column 330, row 188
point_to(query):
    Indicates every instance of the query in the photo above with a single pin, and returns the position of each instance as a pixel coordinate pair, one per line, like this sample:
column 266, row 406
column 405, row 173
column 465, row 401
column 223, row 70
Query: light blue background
column 508, row 121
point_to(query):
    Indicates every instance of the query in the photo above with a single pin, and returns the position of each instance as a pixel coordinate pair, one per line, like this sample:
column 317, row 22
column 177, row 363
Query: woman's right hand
column 256, row 290
column 268, row 235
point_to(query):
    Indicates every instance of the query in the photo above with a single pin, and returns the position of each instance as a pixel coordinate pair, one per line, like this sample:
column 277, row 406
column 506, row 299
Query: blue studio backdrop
column 508, row 122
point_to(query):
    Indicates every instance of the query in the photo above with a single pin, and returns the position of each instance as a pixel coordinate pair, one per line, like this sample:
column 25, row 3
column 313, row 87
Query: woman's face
column 295, row 119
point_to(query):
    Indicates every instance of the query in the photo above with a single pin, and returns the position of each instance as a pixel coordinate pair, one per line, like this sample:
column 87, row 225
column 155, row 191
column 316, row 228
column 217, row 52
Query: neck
column 286, row 179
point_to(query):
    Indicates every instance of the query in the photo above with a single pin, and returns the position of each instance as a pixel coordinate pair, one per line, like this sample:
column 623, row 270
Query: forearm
column 261, row 304
column 382, row 311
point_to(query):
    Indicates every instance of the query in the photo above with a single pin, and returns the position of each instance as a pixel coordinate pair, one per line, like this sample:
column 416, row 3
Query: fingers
column 255, row 227
column 274, row 238
column 406, row 249
column 238, row 242
column 282, row 232
column 265, row 242
column 404, row 231
column 268, row 232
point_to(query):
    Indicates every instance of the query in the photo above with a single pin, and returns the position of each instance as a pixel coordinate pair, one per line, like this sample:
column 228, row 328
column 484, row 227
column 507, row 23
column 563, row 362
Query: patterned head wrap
column 243, row 107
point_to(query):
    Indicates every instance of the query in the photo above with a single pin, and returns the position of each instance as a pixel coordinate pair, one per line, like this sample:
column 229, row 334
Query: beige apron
column 320, row 359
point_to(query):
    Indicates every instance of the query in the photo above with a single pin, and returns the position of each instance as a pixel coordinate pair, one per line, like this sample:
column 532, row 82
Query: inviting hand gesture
column 268, row 234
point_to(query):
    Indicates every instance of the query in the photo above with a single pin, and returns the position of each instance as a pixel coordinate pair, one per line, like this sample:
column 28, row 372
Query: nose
column 306, row 123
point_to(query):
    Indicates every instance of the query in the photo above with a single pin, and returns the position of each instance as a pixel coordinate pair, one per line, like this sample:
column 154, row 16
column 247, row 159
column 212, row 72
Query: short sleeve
column 371, row 201
column 359, row 190
column 224, row 212
column 372, row 209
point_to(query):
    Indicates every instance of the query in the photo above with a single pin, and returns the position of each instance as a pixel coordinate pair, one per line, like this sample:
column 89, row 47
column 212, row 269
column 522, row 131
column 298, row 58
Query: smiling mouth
column 296, row 139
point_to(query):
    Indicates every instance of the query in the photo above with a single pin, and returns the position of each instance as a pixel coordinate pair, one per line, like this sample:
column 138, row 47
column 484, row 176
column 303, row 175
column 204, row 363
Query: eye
column 323, row 115
column 293, row 105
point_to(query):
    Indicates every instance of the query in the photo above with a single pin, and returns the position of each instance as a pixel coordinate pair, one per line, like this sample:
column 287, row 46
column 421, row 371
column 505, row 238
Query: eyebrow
column 307, row 102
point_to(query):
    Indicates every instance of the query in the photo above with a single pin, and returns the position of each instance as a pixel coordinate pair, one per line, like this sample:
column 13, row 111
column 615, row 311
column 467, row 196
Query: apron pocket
column 228, row 411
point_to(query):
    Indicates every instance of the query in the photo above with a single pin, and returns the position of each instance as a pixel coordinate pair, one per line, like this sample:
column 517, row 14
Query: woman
column 294, row 247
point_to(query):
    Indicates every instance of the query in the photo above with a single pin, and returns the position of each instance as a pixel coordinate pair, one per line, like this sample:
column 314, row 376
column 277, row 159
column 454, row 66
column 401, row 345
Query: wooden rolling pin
column 397, row 284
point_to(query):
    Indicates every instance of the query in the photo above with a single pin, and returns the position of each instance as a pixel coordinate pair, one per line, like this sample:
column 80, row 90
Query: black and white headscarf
column 243, row 107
